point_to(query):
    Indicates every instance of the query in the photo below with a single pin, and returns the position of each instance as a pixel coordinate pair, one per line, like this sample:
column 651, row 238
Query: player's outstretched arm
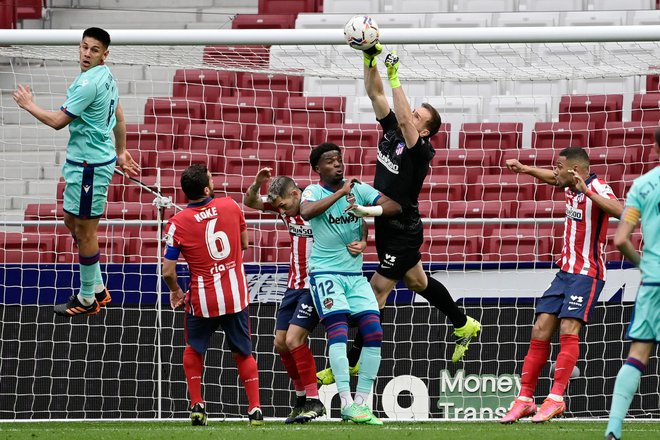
column 309, row 209
column 252, row 198
column 622, row 240
column 25, row 100
column 547, row 176
column 402, row 109
column 373, row 82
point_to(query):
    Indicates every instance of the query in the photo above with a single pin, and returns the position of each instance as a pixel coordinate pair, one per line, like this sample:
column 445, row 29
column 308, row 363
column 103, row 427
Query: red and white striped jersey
column 585, row 231
column 208, row 234
column 301, row 247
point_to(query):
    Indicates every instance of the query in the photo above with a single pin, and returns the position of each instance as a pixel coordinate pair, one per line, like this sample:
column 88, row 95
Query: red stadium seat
column 143, row 247
column 43, row 211
column 237, row 56
column 152, row 137
column 178, row 112
column 234, row 185
column 352, row 135
column 16, row 247
column 455, row 243
column 595, row 109
column 541, row 208
column 214, row 137
column 646, row 108
column 652, row 83
column 611, row 163
column 541, row 158
column 511, row 243
column 263, row 21
column 504, row 187
column 560, row 135
column 441, row 138
column 275, row 89
column 179, row 160
column 112, row 245
column 550, row 240
column 245, row 110
column 491, row 135
column 612, row 253
column 131, row 211
column 205, row 85
column 282, row 137
column 480, row 209
column 29, row 9
column 248, row 160
column 312, row 111
column 287, row 6
column 443, row 188
column 469, row 164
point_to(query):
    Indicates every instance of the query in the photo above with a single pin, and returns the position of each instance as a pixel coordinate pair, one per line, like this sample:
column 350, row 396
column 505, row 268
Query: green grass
column 217, row 430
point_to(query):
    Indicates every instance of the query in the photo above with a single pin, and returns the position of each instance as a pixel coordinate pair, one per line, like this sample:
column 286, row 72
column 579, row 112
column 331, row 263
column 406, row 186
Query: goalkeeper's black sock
column 438, row 296
column 356, row 350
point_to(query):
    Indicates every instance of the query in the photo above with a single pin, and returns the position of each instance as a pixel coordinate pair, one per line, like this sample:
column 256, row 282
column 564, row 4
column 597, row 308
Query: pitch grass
column 217, row 430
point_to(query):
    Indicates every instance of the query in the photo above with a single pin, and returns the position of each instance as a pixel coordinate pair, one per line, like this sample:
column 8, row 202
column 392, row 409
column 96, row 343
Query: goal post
column 243, row 99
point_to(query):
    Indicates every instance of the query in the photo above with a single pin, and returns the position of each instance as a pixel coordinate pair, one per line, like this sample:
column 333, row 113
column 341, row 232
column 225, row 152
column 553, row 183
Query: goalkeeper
column 404, row 157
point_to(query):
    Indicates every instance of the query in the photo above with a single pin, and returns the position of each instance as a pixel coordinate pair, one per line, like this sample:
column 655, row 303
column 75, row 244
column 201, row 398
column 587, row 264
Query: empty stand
column 494, row 136
column 203, row 84
column 505, row 187
column 351, row 135
column 112, row 245
column 480, row 209
column 452, row 243
column 512, row 243
column 243, row 109
column 312, row 111
column 277, row 88
column 16, row 247
column 560, row 135
column 287, row 6
column 178, row 112
column 595, row 109
column 463, row 162
column 541, row 208
column 263, row 21
column 149, row 137
column 646, row 108
column 443, row 188
column 214, row 137
column 238, row 57
column 611, row 163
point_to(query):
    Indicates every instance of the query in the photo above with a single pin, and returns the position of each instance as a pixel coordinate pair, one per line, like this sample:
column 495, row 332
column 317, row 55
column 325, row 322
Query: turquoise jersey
column 644, row 195
column 91, row 100
column 334, row 229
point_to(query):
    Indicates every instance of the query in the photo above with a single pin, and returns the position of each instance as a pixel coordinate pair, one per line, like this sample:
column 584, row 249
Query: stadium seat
column 17, row 247
column 143, row 247
column 242, row 109
column 563, row 134
column 312, row 111
column 541, row 208
column 612, row 253
column 504, row 187
column 263, row 21
column 351, row 135
column 112, row 245
column 525, row 19
column 129, row 211
column 238, row 56
column 646, row 108
column 29, row 9
column 178, row 112
column 511, row 243
column 463, row 162
column 611, row 163
column 480, row 209
column 442, row 138
column 214, row 137
column 542, row 158
column 152, row 137
column 444, row 20
column 43, row 211
column 621, row 184
column 594, row 18
column 277, row 88
column 287, row 6
column 251, row 157
column 595, row 109
column 653, row 81
column 179, row 160
column 205, row 85
column 491, row 136
column 443, row 188
column 455, row 243
column 233, row 185
column 277, row 137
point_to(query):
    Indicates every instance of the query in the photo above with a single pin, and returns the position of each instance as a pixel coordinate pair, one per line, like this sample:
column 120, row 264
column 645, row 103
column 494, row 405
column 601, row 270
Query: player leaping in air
column 211, row 234
column 404, row 157
column 572, row 295
column 335, row 208
column 91, row 111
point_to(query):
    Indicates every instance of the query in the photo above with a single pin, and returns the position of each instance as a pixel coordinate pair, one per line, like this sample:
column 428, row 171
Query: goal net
column 490, row 236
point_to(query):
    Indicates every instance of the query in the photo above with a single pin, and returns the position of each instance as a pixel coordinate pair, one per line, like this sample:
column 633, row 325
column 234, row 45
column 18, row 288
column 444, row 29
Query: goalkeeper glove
column 371, row 54
column 392, row 63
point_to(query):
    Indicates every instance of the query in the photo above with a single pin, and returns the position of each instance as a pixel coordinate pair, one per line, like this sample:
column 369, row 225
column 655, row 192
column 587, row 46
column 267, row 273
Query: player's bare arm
column 169, row 274
column 124, row 159
column 25, row 100
column 252, row 197
column 310, row 210
column 546, row 176
column 611, row 206
column 624, row 230
column 373, row 83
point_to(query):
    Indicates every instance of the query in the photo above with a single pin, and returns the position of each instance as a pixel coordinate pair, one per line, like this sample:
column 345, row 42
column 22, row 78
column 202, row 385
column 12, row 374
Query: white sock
column 346, row 398
column 525, row 399
column 300, row 393
column 361, row 398
column 556, row 397
column 98, row 288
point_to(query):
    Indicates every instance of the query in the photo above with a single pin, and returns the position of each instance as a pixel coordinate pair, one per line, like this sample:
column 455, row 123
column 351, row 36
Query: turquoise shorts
column 86, row 191
column 645, row 323
column 342, row 293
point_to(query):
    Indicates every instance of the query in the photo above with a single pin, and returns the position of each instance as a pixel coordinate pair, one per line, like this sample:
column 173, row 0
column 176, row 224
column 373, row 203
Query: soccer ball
column 361, row 32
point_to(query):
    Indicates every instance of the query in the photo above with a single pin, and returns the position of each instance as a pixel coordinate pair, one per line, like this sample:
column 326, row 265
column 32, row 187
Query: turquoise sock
column 339, row 365
column 369, row 364
column 625, row 387
column 87, row 279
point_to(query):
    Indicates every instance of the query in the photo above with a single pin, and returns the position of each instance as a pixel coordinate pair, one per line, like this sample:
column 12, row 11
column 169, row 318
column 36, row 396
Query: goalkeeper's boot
column 298, row 409
column 374, row 420
column 356, row 413
column 326, row 377
column 550, row 408
column 464, row 336
column 611, row 436
column 74, row 307
column 519, row 409
column 313, row 409
column 198, row 415
column 256, row 417
column 103, row 297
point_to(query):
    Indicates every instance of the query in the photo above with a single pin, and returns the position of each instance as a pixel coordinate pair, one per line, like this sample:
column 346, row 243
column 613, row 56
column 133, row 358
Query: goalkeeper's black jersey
column 400, row 173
